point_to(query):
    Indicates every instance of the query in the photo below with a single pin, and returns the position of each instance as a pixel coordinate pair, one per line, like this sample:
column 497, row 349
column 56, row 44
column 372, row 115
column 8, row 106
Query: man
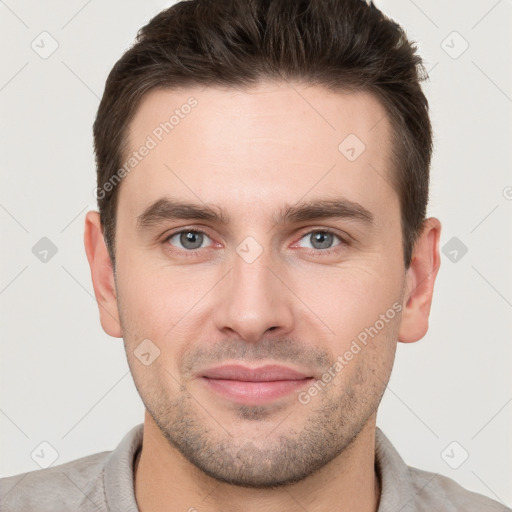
column 261, row 246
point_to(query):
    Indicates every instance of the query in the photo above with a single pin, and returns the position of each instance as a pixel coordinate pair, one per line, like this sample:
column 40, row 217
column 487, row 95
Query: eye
column 190, row 239
column 321, row 240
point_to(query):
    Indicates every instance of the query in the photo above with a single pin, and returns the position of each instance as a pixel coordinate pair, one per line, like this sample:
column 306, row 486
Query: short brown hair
column 343, row 45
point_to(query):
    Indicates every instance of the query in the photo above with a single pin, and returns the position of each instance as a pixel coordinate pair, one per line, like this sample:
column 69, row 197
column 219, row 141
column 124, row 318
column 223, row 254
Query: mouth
column 253, row 386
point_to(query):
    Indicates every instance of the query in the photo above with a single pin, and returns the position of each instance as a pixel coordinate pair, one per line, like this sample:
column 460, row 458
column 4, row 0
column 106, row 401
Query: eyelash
column 310, row 252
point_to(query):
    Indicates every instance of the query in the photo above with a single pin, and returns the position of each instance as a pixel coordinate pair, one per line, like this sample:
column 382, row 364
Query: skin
column 251, row 152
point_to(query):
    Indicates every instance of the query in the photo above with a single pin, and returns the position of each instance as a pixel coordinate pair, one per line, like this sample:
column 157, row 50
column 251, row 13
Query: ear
column 419, row 283
column 102, row 275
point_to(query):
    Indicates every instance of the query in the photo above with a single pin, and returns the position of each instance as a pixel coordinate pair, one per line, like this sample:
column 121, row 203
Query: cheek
column 158, row 301
column 351, row 297
column 365, row 352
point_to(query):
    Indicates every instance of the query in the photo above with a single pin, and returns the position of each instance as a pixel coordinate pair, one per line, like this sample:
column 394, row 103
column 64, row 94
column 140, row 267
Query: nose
column 254, row 299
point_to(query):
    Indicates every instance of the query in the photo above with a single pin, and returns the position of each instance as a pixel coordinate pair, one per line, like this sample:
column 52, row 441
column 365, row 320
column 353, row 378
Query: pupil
column 191, row 240
column 322, row 240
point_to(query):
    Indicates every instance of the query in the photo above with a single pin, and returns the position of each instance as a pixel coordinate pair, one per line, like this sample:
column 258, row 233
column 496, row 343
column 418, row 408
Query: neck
column 165, row 481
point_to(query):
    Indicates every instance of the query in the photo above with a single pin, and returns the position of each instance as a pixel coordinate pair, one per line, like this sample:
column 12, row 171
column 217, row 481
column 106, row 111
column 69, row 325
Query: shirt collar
column 396, row 492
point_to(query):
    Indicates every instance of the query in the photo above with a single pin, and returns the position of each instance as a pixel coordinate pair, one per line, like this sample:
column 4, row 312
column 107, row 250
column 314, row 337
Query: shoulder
column 76, row 485
column 447, row 495
column 410, row 489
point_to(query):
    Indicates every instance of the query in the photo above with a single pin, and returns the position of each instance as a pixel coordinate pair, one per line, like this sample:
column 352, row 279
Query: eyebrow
column 166, row 209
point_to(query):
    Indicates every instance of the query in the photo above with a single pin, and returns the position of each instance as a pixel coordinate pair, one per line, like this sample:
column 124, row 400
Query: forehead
column 256, row 146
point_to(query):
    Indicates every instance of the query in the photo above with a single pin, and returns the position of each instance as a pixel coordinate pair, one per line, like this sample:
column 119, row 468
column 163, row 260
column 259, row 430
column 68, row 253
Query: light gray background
column 64, row 381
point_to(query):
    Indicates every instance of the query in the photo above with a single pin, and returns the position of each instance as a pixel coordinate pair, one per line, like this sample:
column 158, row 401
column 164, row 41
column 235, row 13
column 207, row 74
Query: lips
column 253, row 386
column 262, row 374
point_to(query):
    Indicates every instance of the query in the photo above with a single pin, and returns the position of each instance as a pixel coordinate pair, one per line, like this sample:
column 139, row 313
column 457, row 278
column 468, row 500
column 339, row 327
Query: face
column 259, row 274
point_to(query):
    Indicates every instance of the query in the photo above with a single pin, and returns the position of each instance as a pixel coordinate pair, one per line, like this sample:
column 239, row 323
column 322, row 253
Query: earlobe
column 102, row 275
column 419, row 285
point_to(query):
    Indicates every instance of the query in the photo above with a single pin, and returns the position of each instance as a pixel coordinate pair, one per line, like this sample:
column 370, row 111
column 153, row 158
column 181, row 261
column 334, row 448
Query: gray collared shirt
column 104, row 482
